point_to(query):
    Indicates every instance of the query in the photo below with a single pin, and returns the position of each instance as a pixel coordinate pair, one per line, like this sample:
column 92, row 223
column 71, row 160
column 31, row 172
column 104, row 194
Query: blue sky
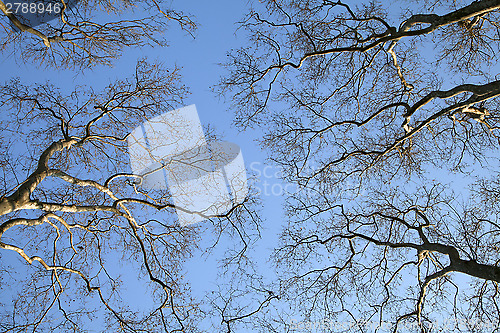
column 199, row 59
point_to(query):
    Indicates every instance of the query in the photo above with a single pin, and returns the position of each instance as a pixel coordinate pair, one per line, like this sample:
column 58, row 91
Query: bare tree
column 71, row 210
column 89, row 33
column 371, row 117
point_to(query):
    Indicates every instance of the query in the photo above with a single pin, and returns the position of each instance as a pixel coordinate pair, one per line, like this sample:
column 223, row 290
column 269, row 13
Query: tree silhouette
column 90, row 33
column 79, row 211
column 377, row 120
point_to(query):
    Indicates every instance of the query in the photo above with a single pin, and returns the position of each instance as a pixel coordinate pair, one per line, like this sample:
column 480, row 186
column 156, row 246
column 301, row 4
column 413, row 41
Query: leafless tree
column 372, row 116
column 89, row 33
column 73, row 213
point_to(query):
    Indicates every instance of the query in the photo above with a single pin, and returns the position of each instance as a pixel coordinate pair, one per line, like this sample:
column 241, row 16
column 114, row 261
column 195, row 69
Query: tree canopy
column 389, row 128
column 90, row 33
column 384, row 117
column 71, row 210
